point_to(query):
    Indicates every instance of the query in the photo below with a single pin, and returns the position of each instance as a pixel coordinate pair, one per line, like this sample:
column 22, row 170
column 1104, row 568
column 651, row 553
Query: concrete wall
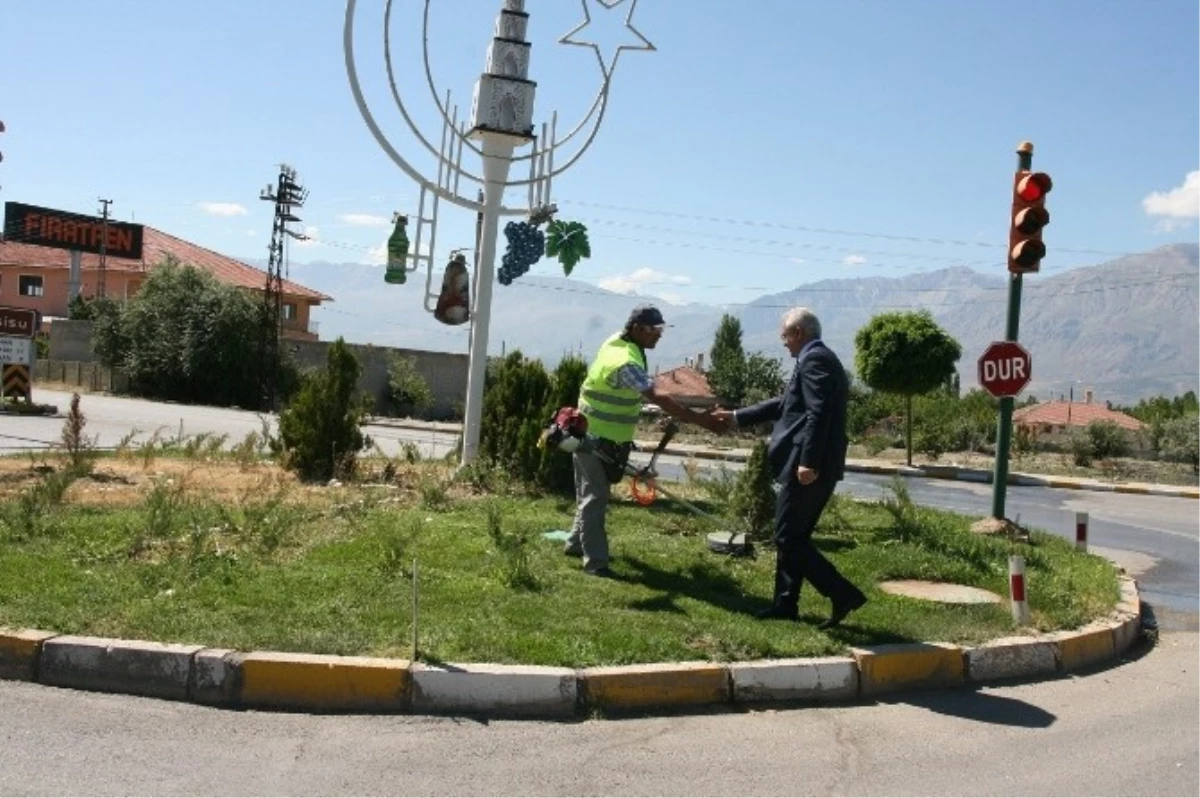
column 90, row 375
column 446, row 373
column 71, row 341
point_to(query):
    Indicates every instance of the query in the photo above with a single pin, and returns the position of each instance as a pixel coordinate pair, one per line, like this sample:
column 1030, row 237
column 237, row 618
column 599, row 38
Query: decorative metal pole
column 501, row 123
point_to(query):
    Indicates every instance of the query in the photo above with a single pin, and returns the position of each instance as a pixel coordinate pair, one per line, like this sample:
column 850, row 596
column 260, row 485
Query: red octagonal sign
column 1005, row 369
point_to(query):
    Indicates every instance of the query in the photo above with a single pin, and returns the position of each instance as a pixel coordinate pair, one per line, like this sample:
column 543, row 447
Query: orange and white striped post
column 1016, row 587
column 1081, row 531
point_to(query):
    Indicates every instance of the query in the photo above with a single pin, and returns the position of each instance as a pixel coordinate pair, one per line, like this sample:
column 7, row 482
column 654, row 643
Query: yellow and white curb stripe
column 659, row 685
column 20, row 651
column 319, row 683
column 324, row 683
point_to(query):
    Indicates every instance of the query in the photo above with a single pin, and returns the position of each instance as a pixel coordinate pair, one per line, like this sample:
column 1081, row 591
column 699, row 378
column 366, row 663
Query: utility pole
column 286, row 194
column 100, row 281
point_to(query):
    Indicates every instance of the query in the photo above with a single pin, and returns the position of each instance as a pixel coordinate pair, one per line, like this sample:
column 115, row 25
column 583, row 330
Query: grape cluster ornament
column 526, row 244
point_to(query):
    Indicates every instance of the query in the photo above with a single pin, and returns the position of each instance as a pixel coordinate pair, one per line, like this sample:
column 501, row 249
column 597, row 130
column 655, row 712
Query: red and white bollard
column 1081, row 521
column 1016, row 587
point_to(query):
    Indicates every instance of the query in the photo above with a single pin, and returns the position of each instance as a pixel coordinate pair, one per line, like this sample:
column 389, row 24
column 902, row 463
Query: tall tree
column 764, row 378
column 186, row 337
column 905, row 353
column 727, row 369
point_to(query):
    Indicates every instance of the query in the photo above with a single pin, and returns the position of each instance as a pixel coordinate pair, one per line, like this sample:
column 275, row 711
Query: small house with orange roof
column 1053, row 421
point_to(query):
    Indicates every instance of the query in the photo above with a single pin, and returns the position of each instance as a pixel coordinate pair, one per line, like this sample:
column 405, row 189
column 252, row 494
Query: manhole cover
column 944, row 592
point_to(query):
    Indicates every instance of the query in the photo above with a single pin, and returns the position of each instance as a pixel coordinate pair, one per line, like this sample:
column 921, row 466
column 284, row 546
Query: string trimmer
column 568, row 431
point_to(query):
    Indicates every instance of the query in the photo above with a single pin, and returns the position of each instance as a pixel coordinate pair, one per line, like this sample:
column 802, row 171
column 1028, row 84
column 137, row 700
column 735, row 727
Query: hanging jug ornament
column 397, row 254
column 454, row 301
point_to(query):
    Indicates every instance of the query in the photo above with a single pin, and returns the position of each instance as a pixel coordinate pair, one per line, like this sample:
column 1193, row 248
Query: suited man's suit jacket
column 810, row 417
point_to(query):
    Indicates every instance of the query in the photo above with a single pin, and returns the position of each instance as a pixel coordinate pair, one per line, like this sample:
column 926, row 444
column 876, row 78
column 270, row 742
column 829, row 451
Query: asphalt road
column 1130, row 729
column 110, row 419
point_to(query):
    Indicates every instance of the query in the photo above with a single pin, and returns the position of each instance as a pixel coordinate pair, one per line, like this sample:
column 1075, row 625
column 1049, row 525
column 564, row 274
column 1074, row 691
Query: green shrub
column 753, row 499
column 519, row 400
column 1180, row 440
column 1107, row 440
column 320, row 432
column 408, row 393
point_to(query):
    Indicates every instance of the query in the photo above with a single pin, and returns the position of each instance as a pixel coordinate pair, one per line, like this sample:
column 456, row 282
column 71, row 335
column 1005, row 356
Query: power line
column 820, row 230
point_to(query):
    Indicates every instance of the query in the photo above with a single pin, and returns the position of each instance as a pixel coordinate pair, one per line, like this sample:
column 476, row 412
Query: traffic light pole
column 1004, row 430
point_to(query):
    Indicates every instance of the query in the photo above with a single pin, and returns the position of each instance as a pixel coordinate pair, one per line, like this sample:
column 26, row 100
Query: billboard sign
column 46, row 227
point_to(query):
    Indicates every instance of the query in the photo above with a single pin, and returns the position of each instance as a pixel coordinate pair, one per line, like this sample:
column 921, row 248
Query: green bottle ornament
column 397, row 254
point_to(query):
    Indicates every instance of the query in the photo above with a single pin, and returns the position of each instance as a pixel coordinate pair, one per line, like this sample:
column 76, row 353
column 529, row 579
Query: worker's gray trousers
column 592, row 490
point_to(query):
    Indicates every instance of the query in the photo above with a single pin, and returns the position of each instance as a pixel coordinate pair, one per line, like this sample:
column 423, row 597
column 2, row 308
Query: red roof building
column 37, row 277
column 687, row 386
column 1073, row 414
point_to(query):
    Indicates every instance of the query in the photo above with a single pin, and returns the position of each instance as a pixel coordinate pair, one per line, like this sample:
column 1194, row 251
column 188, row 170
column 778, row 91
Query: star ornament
column 609, row 66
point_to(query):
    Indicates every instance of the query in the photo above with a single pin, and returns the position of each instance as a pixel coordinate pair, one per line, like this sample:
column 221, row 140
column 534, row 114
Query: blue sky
column 765, row 144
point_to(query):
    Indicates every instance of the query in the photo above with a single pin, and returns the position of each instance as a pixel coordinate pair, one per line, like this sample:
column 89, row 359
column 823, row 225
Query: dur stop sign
column 1004, row 369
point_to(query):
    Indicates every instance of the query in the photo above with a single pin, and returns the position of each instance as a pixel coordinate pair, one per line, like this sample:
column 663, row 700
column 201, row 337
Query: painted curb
column 216, row 677
column 504, row 690
column 1011, row 658
column 317, row 683
column 19, row 653
column 657, row 685
column 322, row 683
column 133, row 667
column 818, row 679
column 907, row 666
column 1082, row 648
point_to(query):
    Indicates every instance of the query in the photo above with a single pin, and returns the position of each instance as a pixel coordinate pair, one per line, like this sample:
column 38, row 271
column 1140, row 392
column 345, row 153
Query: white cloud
column 854, row 260
column 251, row 233
column 637, row 280
column 365, row 220
column 223, row 208
column 1175, row 208
column 798, row 260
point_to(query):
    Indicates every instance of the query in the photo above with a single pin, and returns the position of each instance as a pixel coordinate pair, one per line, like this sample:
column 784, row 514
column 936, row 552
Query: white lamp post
column 501, row 121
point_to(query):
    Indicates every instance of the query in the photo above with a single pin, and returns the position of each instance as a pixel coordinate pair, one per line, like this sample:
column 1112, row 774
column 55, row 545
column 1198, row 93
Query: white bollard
column 1081, row 531
column 1016, row 588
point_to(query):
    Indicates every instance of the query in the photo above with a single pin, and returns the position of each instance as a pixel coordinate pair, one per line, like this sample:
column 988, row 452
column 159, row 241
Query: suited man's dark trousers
column 797, row 509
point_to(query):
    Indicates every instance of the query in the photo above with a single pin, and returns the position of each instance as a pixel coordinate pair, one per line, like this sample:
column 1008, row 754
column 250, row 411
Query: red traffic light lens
column 1034, row 187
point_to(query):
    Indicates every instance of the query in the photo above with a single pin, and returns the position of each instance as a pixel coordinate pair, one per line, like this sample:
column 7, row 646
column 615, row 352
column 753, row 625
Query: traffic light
column 1029, row 216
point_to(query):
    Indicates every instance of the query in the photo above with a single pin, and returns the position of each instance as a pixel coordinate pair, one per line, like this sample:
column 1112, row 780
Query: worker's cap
column 647, row 315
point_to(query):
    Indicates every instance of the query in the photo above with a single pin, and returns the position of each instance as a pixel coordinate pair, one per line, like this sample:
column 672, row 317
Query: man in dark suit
column 807, row 457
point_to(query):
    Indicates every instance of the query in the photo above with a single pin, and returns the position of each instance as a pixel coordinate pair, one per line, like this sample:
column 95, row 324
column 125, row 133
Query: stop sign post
column 1004, row 369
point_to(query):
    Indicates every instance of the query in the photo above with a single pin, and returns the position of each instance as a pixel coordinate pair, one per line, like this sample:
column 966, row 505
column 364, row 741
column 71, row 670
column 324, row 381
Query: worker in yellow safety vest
column 611, row 398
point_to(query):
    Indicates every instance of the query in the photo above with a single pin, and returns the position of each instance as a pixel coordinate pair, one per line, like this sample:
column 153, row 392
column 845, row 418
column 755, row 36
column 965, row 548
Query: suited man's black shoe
column 777, row 613
column 840, row 611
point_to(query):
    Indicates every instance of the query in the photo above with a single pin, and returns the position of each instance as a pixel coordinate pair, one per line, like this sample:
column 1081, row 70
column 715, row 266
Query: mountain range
column 1125, row 329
